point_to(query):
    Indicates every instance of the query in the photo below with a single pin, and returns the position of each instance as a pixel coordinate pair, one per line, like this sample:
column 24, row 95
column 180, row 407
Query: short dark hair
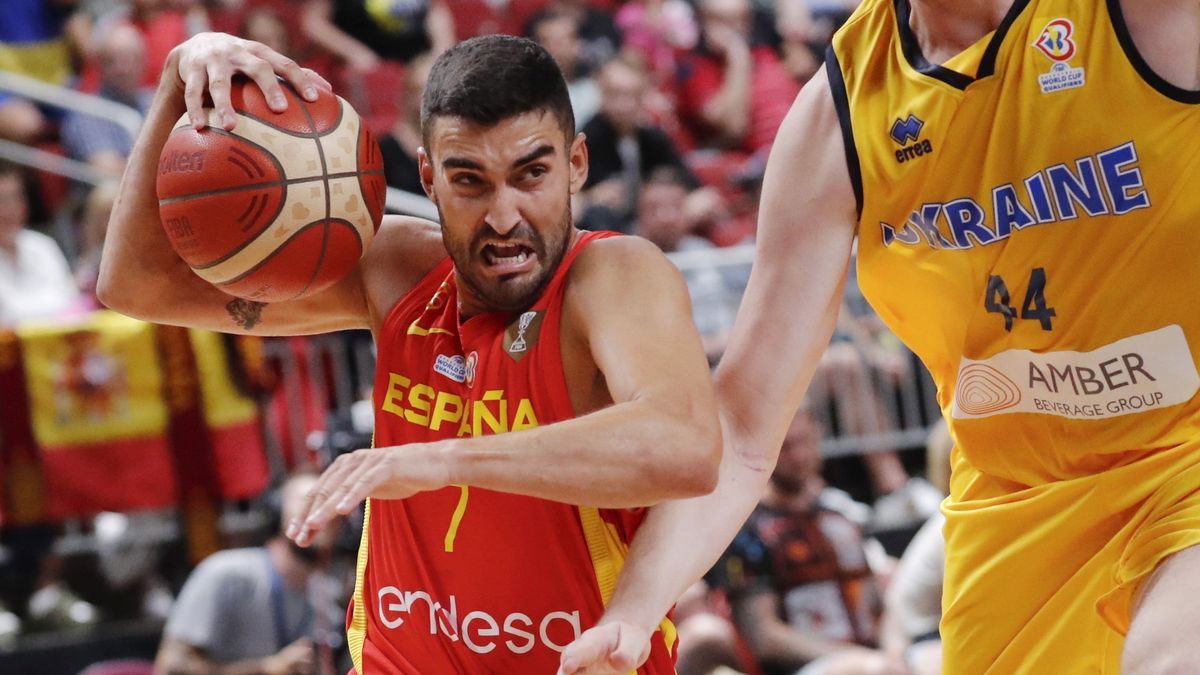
column 491, row 78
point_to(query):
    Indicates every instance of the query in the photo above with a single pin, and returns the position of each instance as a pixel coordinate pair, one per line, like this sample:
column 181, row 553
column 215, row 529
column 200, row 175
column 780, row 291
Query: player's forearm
column 138, row 262
column 629, row 454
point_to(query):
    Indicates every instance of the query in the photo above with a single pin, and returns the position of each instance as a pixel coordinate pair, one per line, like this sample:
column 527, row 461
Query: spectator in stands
column 557, row 32
column 263, row 24
column 35, row 279
column 708, row 642
column 662, row 217
column 799, row 583
column 400, row 144
column 854, row 389
column 913, row 603
column 659, row 31
column 364, row 32
column 623, row 148
column 35, row 284
column 93, row 225
column 733, row 91
column 163, row 24
column 101, row 142
column 38, row 39
column 598, row 36
column 803, row 40
column 249, row 610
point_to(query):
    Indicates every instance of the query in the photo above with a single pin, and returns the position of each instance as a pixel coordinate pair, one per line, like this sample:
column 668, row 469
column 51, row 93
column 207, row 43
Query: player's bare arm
column 647, row 428
column 806, row 228
column 140, row 273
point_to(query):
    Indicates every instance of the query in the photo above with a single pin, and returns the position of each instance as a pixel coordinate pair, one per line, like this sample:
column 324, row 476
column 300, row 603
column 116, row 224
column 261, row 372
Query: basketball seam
column 222, row 132
column 274, row 183
column 325, row 178
column 299, row 134
column 264, row 261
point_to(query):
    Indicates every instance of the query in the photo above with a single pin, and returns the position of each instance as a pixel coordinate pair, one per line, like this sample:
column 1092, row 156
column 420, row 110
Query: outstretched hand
column 209, row 61
column 382, row 473
column 614, row 648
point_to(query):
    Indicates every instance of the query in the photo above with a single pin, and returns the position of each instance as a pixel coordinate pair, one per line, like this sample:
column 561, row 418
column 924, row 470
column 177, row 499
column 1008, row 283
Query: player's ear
column 425, row 169
column 577, row 159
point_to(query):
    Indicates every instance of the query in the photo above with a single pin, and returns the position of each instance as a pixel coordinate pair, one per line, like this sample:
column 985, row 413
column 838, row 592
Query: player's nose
column 504, row 214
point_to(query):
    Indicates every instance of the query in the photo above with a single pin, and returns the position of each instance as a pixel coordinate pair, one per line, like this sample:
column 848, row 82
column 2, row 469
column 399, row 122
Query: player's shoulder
column 621, row 257
column 417, row 239
column 404, row 251
column 616, row 270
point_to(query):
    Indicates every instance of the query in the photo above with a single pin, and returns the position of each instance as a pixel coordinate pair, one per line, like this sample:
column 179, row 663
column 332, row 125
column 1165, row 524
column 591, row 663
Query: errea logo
column 908, row 130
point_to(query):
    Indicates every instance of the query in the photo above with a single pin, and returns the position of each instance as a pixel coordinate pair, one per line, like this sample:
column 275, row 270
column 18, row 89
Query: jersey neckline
column 916, row 58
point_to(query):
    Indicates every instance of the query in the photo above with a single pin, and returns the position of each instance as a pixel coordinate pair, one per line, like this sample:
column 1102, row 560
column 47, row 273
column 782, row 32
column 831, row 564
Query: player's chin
column 514, row 293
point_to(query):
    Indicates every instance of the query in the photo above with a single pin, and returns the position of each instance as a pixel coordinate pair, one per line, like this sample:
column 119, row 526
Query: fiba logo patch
column 1056, row 43
column 908, row 130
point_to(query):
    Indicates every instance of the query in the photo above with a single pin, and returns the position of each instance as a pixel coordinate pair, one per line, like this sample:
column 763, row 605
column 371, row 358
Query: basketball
column 278, row 208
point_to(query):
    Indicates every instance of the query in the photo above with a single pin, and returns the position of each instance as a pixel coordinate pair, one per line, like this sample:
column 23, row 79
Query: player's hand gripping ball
column 278, row 208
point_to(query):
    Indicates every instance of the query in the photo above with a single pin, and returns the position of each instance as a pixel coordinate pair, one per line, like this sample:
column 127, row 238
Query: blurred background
column 144, row 469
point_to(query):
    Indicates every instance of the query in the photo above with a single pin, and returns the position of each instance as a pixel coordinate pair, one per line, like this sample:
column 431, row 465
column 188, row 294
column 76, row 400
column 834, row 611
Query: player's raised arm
column 806, row 227
column 140, row 273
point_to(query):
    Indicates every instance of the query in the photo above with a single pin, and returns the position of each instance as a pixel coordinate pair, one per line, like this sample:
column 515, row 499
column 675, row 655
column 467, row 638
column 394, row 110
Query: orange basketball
column 278, row 208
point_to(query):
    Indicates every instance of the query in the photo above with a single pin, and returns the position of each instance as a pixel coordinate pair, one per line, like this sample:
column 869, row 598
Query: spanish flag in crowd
column 112, row 414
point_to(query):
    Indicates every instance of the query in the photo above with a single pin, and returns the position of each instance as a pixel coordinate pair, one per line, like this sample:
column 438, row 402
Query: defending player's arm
column 140, row 273
column 806, row 227
column 628, row 307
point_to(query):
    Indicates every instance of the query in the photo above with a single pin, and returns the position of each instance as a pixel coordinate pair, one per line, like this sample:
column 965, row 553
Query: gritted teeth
column 496, row 254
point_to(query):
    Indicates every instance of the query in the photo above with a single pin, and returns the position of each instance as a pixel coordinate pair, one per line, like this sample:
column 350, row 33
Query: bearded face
column 503, row 193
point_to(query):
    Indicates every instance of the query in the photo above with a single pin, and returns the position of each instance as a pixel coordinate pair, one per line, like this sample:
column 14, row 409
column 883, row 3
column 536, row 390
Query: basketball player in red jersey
column 533, row 387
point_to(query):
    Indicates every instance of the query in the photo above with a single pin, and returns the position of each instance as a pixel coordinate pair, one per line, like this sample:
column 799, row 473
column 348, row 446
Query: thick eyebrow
column 461, row 163
column 471, row 165
column 537, row 153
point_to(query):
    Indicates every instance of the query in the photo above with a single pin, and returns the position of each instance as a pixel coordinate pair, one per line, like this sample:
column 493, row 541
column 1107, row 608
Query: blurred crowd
column 680, row 101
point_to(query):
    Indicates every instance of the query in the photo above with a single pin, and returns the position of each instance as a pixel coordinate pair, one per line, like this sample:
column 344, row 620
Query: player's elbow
column 112, row 291
column 120, row 289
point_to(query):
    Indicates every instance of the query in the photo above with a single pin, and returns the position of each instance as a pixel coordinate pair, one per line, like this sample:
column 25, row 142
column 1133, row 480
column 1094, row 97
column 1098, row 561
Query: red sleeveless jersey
column 468, row 580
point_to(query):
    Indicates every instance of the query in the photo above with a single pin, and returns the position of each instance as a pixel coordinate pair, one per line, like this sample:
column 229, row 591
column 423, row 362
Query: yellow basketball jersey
column 1028, row 226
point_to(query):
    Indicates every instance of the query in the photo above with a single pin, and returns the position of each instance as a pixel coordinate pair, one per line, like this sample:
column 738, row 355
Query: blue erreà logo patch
column 908, row 130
